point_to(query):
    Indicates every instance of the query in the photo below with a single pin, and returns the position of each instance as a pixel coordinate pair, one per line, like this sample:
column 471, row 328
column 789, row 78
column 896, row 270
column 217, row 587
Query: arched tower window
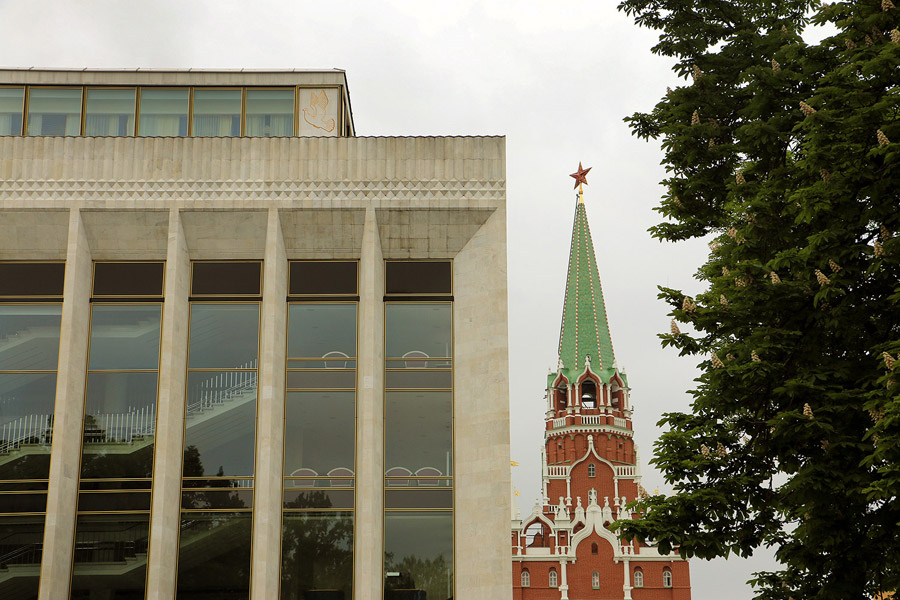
column 667, row 577
column 588, row 394
column 553, row 581
column 559, row 396
column 526, row 578
column 592, row 470
column 638, row 578
column 595, row 580
column 594, row 548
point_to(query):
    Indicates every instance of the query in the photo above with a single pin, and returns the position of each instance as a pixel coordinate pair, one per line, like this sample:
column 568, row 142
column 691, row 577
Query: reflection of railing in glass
column 104, row 546
column 221, row 387
column 120, row 428
column 30, row 429
column 21, row 554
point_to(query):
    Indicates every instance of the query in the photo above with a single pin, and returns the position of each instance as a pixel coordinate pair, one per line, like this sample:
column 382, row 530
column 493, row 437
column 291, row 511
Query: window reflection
column 21, row 547
column 418, row 550
column 12, row 101
column 164, row 112
column 270, row 113
column 317, row 555
column 214, row 556
column 224, row 336
column 110, row 556
column 124, row 336
column 418, row 433
column 319, row 433
column 109, row 112
column 54, row 111
column 321, row 330
column 418, row 330
column 217, row 113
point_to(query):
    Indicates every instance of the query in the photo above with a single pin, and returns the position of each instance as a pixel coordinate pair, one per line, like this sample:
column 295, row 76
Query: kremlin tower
column 564, row 549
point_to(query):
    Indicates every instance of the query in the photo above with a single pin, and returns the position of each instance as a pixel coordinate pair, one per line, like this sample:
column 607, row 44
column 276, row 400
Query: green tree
column 785, row 155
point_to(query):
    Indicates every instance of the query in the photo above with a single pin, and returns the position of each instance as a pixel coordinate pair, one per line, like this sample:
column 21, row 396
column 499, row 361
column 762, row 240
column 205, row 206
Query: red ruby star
column 580, row 175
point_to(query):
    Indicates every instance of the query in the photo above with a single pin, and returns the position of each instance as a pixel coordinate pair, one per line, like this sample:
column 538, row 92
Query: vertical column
column 481, row 414
column 563, row 583
column 368, row 547
column 270, row 425
column 68, row 422
column 170, row 417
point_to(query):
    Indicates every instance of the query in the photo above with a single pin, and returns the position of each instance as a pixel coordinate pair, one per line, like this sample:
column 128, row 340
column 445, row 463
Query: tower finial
column 580, row 180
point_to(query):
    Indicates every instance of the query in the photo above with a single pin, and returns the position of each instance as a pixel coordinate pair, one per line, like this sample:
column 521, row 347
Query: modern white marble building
column 243, row 352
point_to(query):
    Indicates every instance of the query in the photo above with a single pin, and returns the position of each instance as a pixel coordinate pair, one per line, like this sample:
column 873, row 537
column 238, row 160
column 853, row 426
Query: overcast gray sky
column 556, row 78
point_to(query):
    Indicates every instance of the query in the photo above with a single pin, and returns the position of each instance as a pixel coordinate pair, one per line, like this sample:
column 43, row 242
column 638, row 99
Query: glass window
column 26, row 424
column 323, row 278
column 124, row 337
column 595, row 580
column 109, row 112
column 164, row 112
column 418, row 330
column 224, row 336
column 418, row 432
column 217, row 113
column 317, row 555
column 54, row 111
column 128, row 278
column 667, row 577
column 214, row 555
column 638, row 578
column 526, row 578
column 417, row 277
column 29, row 337
column 418, row 554
column 12, row 104
column 552, row 578
column 320, row 431
column 270, row 113
column 110, row 556
column 322, row 330
column 32, row 279
column 23, row 538
column 592, row 470
column 230, row 278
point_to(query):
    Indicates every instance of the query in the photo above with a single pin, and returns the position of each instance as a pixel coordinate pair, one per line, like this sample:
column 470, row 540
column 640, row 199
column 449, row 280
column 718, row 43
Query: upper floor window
column 667, row 577
column 54, row 111
column 217, row 113
column 638, row 578
column 270, row 113
column 164, row 112
column 595, row 580
column 553, row 580
column 109, row 112
column 592, row 470
column 526, row 578
column 12, row 104
column 588, row 394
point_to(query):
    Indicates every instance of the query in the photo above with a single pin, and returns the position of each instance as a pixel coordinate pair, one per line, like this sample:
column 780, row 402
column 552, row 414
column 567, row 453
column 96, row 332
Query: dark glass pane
column 418, row 498
column 21, row 545
column 115, row 484
column 214, row 556
column 270, row 113
column 418, row 330
column 24, row 486
column 26, row 424
column 320, row 433
column 418, row 433
column 128, row 279
column 217, row 483
column 220, row 429
column 125, row 336
column 30, row 503
column 322, row 330
column 425, row 277
column 110, row 556
column 54, row 111
column 113, row 501
column 29, row 337
column 433, row 481
column 317, row 556
column 418, row 549
column 217, row 499
column 224, row 336
column 303, row 480
column 419, row 363
column 217, row 113
column 419, row 379
column 32, row 279
column 323, row 278
column 321, row 379
column 109, row 112
column 308, row 498
column 164, row 112
column 231, row 278
column 12, row 105
column 331, row 363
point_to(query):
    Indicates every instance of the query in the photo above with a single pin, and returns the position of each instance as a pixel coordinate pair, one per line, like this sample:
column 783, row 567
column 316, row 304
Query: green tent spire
column 585, row 329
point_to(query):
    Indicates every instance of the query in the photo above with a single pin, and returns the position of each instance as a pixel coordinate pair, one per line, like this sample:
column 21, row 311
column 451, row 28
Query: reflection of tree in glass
column 317, row 549
column 214, row 558
column 97, row 464
column 206, row 496
column 430, row 575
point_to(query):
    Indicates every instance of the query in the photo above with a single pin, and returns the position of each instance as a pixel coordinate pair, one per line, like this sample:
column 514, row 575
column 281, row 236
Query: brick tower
column 564, row 549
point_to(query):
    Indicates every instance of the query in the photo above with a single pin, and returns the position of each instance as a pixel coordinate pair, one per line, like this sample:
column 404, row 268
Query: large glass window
column 109, row 112
column 219, row 451
column 54, row 111
column 12, row 105
column 319, row 452
column 270, row 113
column 418, row 450
column 217, row 113
column 117, row 450
column 164, row 112
column 29, row 350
